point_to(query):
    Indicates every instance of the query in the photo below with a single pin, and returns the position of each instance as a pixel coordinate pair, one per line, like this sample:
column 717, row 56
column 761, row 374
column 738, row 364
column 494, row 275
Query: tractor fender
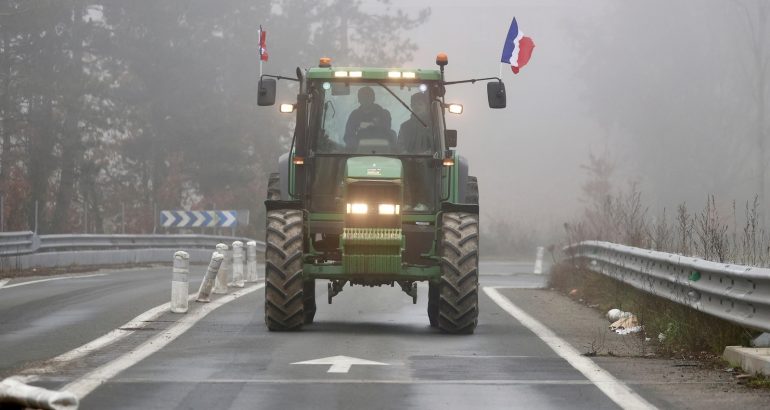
column 462, row 183
column 283, row 171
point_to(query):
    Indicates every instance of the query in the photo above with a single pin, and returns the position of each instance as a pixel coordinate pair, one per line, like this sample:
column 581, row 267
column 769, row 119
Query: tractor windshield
column 373, row 118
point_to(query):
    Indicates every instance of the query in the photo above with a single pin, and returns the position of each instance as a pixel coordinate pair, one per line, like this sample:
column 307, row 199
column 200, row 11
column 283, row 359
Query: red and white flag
column 262, row 44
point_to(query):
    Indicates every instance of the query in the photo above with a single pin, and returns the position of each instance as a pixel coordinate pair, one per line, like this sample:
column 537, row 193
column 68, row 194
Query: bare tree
column 756, row 19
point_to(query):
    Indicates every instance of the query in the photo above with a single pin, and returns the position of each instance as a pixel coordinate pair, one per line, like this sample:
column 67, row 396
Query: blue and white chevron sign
column 198, row 219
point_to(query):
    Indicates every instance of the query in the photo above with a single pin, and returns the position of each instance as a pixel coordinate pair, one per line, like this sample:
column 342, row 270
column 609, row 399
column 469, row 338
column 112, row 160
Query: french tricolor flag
column 517, row 49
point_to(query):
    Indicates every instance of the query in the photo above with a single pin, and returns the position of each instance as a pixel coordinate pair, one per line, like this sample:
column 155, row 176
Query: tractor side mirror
column 266, row 94
column 496, row 94
column 450, row 138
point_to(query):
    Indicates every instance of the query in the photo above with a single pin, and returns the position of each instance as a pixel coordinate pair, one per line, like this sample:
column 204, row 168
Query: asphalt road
column 229, row 360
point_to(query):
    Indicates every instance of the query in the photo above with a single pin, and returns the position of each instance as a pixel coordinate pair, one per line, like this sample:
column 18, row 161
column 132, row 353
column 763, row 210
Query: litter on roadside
column 626, row 325
column 616, row 314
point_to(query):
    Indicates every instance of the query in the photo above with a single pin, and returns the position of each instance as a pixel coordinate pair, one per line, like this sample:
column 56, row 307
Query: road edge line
column 86, row 384
column 32, row 282
column 613, row 388
column 104, row 340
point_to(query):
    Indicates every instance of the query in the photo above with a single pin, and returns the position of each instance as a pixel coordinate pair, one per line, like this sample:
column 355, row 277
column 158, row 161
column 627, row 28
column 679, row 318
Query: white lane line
column 105, row 340
column 3, row 282
column 615, row 389
column 52, row 279
column 491, row 382
column 89, row 382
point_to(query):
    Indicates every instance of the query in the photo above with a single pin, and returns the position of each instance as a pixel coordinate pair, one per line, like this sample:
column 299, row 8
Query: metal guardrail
column 22, row 250
column 17, row 243
column 21, row 243
column 736, row 293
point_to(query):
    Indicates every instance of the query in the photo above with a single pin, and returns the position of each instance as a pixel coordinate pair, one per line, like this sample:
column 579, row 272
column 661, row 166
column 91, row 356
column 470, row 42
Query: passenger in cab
column 367, row 121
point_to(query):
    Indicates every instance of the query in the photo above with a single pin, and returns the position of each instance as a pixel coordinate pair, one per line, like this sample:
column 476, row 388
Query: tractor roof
column 368, row 73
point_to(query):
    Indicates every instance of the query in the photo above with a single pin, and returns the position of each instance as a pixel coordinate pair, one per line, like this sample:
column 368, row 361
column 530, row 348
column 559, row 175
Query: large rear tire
column 284, row 301
column 459, row 286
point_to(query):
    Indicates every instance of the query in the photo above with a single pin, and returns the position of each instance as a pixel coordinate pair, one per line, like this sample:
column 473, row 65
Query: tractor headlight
column 389, row 209
column 358, row 209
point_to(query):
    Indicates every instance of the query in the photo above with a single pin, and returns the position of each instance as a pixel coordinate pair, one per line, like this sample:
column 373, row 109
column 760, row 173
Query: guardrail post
column 220, row 286
column 237, row 264
column 251, row 261
column 204, row 292
column 15, row 391
column 539, row 260
column 179, row 282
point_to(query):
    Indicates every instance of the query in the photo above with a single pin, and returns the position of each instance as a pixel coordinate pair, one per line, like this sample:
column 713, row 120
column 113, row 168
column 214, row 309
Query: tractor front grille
column 372, row 250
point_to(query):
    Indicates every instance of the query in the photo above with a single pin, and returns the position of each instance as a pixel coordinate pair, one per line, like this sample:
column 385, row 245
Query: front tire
column 284, row 301
column 458, row 290
column 433, row 302
column 308, row 303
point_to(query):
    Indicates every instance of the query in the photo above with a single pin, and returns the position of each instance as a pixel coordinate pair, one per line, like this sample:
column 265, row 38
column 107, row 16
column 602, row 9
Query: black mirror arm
column 278, row 77
column 472, row 81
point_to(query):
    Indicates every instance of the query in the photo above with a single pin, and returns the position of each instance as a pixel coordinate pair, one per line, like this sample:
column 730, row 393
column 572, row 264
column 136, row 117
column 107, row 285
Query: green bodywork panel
column 368, row 73
column 374, row 168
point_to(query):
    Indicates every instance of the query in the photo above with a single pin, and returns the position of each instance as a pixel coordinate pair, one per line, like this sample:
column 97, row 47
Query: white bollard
column 539, row 260
column 237, row 264
column 204, row 292
column 14, row 391
column 179, row 282
column 251, row 261
column 220, row 285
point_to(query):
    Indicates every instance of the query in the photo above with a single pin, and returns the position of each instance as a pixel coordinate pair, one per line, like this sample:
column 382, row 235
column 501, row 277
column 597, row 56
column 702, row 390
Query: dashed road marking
column 102, row 374
column 613, row 388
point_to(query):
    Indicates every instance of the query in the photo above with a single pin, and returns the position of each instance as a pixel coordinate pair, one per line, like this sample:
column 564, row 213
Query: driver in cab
column 369, row 120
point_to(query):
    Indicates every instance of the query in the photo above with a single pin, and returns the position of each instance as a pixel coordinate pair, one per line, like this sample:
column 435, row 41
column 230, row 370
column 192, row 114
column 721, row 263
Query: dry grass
column 684, row 329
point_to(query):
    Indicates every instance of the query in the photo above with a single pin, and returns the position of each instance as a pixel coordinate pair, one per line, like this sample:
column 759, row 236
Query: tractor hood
column 373, row 168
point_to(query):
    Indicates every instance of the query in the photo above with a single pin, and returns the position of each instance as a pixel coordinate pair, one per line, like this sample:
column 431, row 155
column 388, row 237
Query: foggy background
column 158, row 108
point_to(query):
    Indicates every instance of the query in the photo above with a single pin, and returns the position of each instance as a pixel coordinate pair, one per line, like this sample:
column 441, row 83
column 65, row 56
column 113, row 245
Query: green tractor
column 371, row 193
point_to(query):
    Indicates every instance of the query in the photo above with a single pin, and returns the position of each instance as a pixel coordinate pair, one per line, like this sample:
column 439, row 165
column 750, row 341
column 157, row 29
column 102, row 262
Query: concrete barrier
column 14, row 391
column 251, row 261
column 237, row 265
column 180, row 287
column 204, row 292
column 220, row 285
column 752, row 360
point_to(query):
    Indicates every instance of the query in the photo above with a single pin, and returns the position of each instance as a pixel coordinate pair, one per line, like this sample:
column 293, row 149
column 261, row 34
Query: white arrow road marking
column 342, row 364
column 3, row 282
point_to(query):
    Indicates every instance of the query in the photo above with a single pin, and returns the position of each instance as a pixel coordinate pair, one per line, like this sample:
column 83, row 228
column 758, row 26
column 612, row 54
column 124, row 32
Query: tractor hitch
column 334, row 287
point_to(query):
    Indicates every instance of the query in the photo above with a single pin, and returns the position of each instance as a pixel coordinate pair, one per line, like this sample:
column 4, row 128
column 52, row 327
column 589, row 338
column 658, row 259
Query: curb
column 751, row 359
